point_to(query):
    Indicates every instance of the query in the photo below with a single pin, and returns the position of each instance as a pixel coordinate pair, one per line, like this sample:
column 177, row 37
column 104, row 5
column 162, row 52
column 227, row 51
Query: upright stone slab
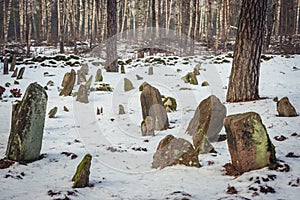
column 5, row 71
column 98, row 77
column 152, row 106
column 208, row 117
column 82, row 174
column 89, row 83
column 82, row 95
column 285, row 108
column 85, row 68
column 68, row 83
column 150, row 71
column 128, row 85
column 21, row 73
column 27, row 125
column 13, row 64
column 248, row 141
column 121, row 109
column 148, row 126
column 52, row 112
column 80, row 77
column 175, row 151
column 15, row 73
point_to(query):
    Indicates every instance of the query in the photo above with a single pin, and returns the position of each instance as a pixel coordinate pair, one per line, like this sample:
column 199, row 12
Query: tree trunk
column 6, row 21
column 244, row 77
column 111, row 45
column 30, row 21
column 49, row 21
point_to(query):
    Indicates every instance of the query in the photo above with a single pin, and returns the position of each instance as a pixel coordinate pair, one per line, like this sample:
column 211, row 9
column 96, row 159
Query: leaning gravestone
column 52, row 112
column 81, row 176
column 98, row 77
column 208, row 117
column 15, row 73
column 68, row 83
column 89, row 83
column 147, row 126
column 21, row 72
column 285, row 108
column 175, row 151
column 27, row 125
column 85, row 68
column 82, row 95
column 152, row 106
column 248, row 141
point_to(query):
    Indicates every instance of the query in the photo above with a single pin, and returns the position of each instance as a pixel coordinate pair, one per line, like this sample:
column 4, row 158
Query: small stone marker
column 89, row 83
column 21, row 72
column 68, row 83
column 128, row 85
column 150, row 71
column 122, row 69
column 82, row 174
column 13, row 64
column 5, row 71
column 84, row 68
column 66, row 109
column 175, row 151
column 285, row 108
column 80, row 77
column 98, row 77
column 82, row 95
column 148, row 126
column 52, row 112
column 15, row 73
column 27, row 125
column 121, row 110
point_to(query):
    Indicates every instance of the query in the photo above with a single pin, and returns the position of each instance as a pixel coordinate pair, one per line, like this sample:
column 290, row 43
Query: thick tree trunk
column 111, row 45
column 244, row 77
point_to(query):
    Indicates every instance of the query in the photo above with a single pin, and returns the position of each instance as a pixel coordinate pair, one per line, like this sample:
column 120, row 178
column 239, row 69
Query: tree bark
column 244, row 77
column 111, row 45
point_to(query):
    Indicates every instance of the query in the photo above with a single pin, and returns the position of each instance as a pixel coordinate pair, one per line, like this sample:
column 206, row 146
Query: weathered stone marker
column 249, row 144
column 5, row 71
column 27, row 125
column 175, row 151
column 285, row 108
column 152, row 105
column 148, row 126
column 13, row 64
column 80, row 77
column 52, row 112
column 68, row 83
column 207, row 121
column 128, row 85
column 98, row 77
column 121, row 109
column 82, row 95
column 82, row 175
column 21, row 73
column 15, row 73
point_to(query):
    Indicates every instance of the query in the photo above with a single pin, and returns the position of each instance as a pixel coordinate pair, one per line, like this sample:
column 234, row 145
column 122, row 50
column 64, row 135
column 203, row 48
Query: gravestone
column 82, row 174
column 128, row 85
column 13, row 64
column 121, row 110
column 5, row 71
column 80, row 77
column 175, row 151
column 15, row 73
column 27, row 125
column 52, row 112
column 82, row 95
column 148, row 126
column 285, row 108
column 84, row 68
column 98, row 77
column 68, row 83
column 152, row 106
column 248, row 141
column 150, row 71
column 21, row 73
column 122, row 69
column 89, row 83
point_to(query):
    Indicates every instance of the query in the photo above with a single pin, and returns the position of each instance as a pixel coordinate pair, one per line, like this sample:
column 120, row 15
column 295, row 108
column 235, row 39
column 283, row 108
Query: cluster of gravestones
column 249, row 144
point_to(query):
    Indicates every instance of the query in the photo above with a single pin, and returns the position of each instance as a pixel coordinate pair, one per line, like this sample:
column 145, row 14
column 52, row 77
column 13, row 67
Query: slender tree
column 111, row 44
column 244, row 77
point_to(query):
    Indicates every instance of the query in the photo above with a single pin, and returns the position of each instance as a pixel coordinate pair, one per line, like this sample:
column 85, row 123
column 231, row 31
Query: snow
column 126, row 173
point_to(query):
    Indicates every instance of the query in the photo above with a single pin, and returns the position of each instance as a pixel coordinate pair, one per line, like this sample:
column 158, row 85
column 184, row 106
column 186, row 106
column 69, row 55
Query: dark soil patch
column 5, row 163
column 231, row 170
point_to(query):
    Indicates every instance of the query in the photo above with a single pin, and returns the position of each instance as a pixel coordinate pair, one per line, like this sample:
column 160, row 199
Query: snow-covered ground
column 126, row 173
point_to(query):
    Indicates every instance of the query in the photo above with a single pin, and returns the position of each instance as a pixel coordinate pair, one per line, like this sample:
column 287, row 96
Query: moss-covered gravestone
column 27, row 125
column 98, row 77
column 249, row 144
column 82, row 174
